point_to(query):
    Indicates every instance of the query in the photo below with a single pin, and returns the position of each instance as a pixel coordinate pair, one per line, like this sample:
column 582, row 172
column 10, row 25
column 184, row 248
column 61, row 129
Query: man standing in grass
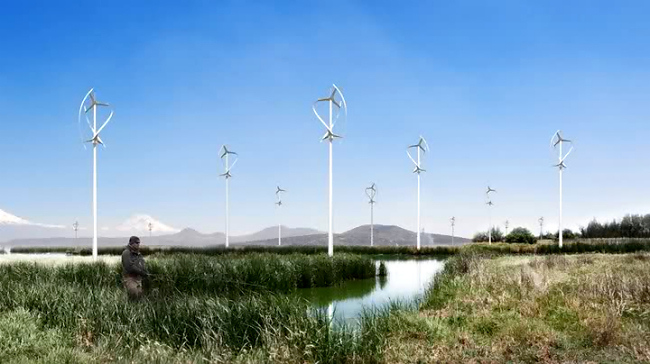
column 133, row 269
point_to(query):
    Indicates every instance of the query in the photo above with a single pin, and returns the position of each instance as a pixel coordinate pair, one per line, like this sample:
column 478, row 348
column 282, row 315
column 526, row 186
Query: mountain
column 272, row 233
column 14, row 227
column 138, row 224
column 384, row 235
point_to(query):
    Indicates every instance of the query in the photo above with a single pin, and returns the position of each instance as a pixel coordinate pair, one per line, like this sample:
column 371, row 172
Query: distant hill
column 385, row 235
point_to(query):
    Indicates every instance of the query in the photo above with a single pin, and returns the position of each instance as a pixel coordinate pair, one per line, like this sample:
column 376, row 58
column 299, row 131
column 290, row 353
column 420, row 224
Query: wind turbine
column 90, row 103
column 225, row 158
column 507, row 224
column 453, row 224
column 541, row 226
column 330, row 136
column 490, row 204
column 150, row 226
column 421, row 147
column 75, row 227
column 279, row 203
column 557, row 142
column 371, row 192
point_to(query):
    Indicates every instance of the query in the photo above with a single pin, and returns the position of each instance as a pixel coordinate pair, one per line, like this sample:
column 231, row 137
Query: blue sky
column 487, row 83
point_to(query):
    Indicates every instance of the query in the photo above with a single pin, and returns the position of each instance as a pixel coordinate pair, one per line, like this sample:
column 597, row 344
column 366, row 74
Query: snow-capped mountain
column 139, row 224
column 14, row 227
column 9, row 219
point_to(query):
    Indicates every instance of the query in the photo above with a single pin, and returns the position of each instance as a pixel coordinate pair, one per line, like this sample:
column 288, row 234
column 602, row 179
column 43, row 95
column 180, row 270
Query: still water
column 407, row 281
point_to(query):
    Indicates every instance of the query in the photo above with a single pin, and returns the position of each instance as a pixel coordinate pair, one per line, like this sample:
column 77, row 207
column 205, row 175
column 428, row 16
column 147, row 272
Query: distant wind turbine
column 330, row 136
column 225, row 158
column 279, row 203
column 421, row 147
column 507, row 224
column 541, row 226
column 453, row 224
column 90, row 103
column 557, row 141
column 371, row 192
column 75, row 227
column 150, row 226
column 490, row 204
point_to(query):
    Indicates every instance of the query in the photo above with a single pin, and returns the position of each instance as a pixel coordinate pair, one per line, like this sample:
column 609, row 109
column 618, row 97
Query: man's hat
column 134, row 240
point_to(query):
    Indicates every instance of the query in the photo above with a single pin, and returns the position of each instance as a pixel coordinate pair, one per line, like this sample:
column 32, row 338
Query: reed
column 196, row 307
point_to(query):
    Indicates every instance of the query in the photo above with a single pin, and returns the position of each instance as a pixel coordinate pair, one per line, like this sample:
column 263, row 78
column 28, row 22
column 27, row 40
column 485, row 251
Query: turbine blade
column 105, row 123
column 318, row 116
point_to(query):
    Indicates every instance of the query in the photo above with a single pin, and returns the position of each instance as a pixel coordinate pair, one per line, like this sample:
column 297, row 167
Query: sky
column 487, row 83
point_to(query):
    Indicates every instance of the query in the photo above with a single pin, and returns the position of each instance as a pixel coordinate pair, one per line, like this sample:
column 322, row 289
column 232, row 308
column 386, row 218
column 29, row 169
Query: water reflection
column 406, row 281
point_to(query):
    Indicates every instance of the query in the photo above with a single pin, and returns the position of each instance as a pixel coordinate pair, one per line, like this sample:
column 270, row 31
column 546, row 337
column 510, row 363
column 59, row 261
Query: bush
column 482, row 236
column 521, row 235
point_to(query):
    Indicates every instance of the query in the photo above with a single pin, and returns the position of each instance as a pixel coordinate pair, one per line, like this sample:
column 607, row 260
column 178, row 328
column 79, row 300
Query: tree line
column 630, row 226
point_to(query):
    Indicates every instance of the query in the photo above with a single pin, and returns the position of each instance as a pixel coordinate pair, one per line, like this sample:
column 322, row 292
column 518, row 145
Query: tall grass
column 243, row 250
column 613, row 246
column 192, row 312
column 189, row 273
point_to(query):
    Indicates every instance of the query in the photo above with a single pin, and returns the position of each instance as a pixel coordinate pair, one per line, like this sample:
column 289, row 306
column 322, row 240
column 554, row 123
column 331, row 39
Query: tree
column 497, row 235
column 521, row 235
column 480, row 237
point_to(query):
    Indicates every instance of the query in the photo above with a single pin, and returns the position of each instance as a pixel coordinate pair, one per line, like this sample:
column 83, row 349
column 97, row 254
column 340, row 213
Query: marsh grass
column 205, row 309
column 219, row 250
column 579, row 246
column 583, row 308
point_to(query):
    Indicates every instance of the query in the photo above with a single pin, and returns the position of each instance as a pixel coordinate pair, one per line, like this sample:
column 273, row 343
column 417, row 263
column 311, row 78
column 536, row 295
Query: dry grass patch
column 581, row 308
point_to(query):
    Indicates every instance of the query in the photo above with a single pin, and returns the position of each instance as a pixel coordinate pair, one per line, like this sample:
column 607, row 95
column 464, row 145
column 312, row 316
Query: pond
column 407, row 280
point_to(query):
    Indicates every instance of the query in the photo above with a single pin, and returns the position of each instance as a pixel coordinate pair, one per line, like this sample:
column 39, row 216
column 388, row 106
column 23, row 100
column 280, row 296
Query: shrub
column 521, row 235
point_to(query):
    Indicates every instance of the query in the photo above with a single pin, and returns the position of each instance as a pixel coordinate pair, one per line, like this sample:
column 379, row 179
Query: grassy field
column 198, row 309
column 487, row 308
column 545, row 247
column 581, row 308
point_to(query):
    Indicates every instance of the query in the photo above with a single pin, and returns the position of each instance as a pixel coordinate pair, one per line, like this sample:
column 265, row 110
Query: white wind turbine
column 75, row 227
column 330, row 136
column 557, row 143
column 421, row 147
column 453, row 225
column 490, row 204
column 150, row 226
column 541, row 226
column 225, row 158
column 279, row 203
column 371, row 192
column 90, row 103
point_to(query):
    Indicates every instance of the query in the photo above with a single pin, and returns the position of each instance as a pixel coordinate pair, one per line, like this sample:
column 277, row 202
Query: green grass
column 243, row 250
column 225, row 275
column 222, row 308
column 613, row 246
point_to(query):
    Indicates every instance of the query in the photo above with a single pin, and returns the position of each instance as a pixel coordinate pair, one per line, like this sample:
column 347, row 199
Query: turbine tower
column 557, row 142
column 507, row 224
column 150, row 226
column 75, row 227
column 279, row 203
column 453, row 224
column 421, row 147
column 371, row 192
column 541, row 226
column 225, row 158
column 90, row 103
column 490, row 204
column 330, row 136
